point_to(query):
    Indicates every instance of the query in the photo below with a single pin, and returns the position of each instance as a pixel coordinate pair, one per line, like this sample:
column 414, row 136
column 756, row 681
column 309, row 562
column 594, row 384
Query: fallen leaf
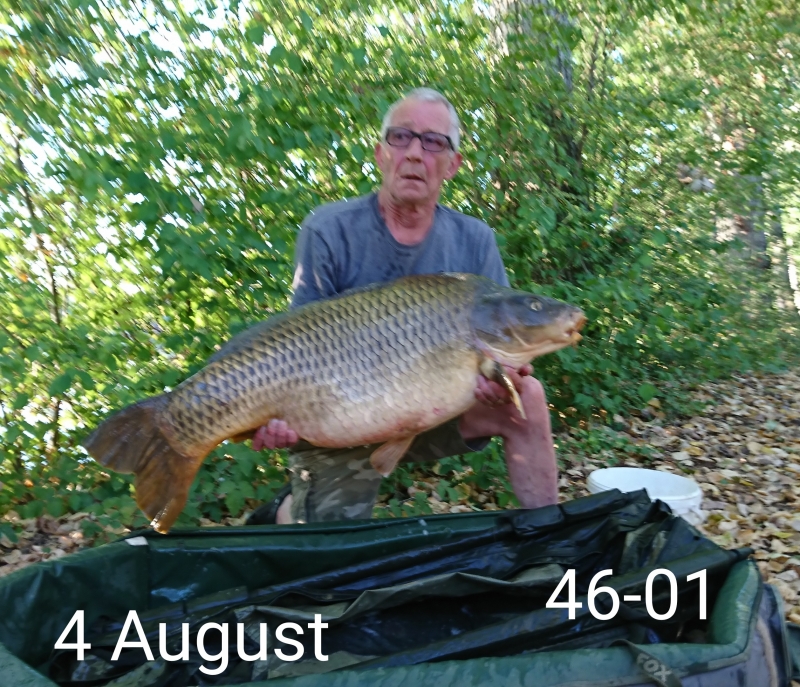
column 754, row 447
column 14, row 557
column 777, row 546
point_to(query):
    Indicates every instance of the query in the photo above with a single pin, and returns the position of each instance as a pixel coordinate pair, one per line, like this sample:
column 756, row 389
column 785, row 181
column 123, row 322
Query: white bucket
column 681, row 494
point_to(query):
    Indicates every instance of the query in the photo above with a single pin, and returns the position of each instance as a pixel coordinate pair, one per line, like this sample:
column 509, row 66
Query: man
column 403, row 230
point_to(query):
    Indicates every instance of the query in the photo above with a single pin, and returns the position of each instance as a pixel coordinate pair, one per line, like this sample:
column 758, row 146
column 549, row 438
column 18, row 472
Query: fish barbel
column 378, row 364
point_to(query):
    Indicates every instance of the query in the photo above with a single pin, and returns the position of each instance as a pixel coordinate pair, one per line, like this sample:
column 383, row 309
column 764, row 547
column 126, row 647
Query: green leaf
column 61, row 383
column 647, row 392
column 234, row 501
column 8, row 531
column 87, row 382
column 55, row 507
column 20, row 401
column 277, row 54
column 294, row 62
column 255, row 34
column 33, row 352
column 78, row 501
column 360, row 56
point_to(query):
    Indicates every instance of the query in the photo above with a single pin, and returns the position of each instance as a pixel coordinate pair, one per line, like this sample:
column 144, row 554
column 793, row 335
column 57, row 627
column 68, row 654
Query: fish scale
column 380, row 364
column 353, row 343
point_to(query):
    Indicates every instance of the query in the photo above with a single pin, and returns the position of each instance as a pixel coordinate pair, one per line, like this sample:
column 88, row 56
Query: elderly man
column 402, row 230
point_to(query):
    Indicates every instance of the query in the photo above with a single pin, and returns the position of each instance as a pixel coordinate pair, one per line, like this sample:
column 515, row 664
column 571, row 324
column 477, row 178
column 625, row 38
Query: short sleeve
column 493, row 267
column 314, row 266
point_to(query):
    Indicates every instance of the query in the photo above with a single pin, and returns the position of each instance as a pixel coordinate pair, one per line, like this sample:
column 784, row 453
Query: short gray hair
column 427, row 95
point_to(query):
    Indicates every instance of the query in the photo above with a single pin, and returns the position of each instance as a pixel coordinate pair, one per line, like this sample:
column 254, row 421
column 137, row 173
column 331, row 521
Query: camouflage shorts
column 340, row 484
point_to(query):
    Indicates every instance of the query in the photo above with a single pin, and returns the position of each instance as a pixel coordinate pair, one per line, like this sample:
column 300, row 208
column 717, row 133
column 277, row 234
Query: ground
column 743, row 448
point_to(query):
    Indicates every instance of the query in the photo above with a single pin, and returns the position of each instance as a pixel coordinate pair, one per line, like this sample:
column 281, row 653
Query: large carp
column 378, row 364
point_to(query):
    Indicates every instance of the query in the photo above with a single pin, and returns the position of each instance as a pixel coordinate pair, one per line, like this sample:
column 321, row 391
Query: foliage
column 158, row 159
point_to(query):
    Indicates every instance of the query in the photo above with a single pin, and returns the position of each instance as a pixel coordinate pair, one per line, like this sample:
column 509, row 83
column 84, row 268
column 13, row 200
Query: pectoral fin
column 493, row 370
column 385, row 458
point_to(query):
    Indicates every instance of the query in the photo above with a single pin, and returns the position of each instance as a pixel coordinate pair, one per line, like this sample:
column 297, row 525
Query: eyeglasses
column 398, row 137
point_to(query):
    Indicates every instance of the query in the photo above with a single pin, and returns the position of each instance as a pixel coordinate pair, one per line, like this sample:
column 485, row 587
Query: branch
column 50, row 273
column 20, row 343
column 603, row 80
column 16, row 456
column 592, row 64
column 592, row 84
column 56, row 432
column 56, row 306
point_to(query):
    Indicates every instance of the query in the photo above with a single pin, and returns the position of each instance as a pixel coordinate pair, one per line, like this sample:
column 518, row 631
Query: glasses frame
column 414, row 135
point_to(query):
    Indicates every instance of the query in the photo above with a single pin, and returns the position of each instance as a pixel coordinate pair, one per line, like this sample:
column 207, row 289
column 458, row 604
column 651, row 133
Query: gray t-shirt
column 347, row 244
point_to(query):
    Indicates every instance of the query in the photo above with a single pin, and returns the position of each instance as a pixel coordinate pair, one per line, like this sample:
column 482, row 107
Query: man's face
column 412, row 175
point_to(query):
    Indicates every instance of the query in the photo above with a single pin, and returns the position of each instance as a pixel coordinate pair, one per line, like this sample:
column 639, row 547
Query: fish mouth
column 573, row 332
column 563, row 332
column 572, row 325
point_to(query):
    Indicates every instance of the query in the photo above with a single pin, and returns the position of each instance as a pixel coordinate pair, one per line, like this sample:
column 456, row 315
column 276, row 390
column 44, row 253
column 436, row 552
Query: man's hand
column 275, row 434
column 492, row 394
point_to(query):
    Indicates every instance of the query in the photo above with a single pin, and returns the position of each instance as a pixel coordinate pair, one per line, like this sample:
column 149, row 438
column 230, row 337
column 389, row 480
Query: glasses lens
column 398, row 137
column 434, row 143
column 401, row 138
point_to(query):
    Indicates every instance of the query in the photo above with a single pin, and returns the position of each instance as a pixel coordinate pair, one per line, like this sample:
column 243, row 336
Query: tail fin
column 133, row 441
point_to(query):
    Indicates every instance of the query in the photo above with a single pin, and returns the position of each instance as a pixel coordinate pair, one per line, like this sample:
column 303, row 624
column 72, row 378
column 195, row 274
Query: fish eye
column 536, row 305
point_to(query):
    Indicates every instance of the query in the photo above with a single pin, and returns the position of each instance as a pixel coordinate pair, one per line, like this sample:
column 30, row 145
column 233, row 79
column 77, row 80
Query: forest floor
column 744, row 451
column 742, row 447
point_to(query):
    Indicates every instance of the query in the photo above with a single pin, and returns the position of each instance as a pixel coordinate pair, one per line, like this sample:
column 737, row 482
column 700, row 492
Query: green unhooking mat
column 606, row 590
